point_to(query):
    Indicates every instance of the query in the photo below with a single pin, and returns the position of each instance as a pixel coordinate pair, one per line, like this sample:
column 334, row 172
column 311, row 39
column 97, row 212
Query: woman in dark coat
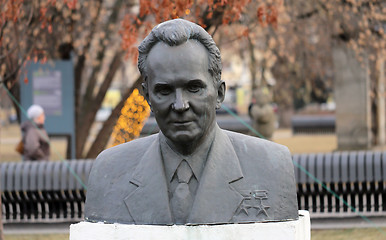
column 35, row 138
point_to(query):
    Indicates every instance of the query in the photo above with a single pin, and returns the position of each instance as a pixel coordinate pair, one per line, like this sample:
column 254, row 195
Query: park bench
column 49, row 192
column 357, row 178
column 313, row 124
column 43, row 191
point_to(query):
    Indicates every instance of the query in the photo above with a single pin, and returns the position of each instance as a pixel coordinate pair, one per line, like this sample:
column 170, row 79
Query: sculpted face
column 182, row 93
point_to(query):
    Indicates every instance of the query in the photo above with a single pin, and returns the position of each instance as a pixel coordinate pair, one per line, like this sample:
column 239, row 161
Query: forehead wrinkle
column 182, row 50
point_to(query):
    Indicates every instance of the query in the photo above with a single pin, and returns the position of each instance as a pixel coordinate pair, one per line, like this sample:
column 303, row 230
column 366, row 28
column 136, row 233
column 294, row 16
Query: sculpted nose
column 180, row 104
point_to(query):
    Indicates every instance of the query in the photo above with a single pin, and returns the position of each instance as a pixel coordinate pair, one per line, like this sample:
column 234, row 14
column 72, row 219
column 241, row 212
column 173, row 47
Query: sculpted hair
column 174, row 33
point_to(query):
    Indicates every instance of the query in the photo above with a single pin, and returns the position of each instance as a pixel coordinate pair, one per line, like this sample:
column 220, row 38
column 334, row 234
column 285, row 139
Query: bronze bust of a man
column 191, row 172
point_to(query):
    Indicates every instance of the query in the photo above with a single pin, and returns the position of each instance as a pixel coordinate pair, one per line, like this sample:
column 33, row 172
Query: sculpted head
column 176, row 32
column 181, row 66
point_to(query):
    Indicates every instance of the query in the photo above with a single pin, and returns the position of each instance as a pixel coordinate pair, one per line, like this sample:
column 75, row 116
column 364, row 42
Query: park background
column 315, row 58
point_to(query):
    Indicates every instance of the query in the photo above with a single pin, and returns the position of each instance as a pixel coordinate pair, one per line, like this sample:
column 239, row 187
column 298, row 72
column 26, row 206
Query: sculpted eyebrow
column 197, row 82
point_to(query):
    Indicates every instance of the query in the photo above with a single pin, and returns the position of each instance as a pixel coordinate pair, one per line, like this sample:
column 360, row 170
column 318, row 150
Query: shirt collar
column 196, row 160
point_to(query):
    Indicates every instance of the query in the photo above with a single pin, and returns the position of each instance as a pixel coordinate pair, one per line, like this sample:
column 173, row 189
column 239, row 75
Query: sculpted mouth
column 179, row 122
column 182, row 122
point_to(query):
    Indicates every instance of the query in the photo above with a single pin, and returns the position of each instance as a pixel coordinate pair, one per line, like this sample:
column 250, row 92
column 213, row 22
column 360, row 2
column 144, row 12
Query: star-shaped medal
column 253, row 199
column 243, row 207
column 261, row 209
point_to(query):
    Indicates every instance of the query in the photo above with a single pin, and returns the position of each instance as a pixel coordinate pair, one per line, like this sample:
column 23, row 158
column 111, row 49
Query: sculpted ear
column 220, row 94
column 146, row 92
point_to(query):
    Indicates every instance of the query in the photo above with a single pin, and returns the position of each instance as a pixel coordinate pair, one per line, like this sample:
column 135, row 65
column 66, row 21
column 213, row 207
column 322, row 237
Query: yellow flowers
column 132, row 119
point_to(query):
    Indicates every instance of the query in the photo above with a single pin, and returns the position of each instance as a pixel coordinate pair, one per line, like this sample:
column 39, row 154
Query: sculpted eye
column 163, row 90
column 195, row 86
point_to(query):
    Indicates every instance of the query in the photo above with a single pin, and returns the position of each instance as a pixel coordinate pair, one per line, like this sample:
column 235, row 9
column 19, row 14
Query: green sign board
column 51, row 85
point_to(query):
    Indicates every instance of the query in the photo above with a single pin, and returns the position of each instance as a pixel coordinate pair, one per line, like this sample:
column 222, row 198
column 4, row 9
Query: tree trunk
column 77, row 84
column 104, row 134
column 89, row 117
column 80, row 67
column 89, row 106
column 1, row 206
column 252, row 64
column 1, row 221
column 381, row 102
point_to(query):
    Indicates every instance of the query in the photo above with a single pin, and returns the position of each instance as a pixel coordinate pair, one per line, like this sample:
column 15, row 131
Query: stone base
column 289, row 230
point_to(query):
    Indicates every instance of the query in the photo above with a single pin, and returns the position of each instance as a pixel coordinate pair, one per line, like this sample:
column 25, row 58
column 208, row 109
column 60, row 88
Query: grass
column 349, row 234
column 304, row 143
column 37, row 237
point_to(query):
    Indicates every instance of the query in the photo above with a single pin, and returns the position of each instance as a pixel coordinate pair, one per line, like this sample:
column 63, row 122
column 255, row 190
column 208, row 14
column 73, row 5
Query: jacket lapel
column 216, row 200
column 148, row 202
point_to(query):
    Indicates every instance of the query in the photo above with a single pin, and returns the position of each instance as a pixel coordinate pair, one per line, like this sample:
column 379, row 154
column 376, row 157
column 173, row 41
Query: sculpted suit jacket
column 245, row 179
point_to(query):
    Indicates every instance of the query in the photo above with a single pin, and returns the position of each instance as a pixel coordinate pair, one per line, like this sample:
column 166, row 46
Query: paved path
column 36, row 228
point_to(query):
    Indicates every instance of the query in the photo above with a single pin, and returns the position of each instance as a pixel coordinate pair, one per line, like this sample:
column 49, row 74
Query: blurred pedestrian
column 35, row 137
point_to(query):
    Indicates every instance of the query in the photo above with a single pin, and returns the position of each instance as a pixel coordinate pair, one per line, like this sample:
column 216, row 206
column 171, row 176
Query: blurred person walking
column 35, row 137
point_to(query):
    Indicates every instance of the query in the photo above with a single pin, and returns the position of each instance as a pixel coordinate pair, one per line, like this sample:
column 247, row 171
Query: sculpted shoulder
column 254, row 145
column 117, row 161
column 131, row 151
column 109, row 180
column 269, row 159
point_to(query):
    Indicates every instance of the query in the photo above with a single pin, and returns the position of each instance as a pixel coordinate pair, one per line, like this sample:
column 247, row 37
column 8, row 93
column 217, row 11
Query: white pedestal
column 289, row 230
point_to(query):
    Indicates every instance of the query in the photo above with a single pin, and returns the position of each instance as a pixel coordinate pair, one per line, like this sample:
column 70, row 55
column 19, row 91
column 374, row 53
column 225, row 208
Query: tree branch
column 100, row 55
column 94, row 104
column 81, row 63
column 308, row 14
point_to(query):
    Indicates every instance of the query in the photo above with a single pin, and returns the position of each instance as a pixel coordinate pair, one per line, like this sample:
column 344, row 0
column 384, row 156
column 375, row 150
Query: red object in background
column 261, row 15
column 267, row 15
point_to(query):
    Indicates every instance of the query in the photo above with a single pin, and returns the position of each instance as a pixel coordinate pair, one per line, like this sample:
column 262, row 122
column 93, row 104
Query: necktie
column 182, row 199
